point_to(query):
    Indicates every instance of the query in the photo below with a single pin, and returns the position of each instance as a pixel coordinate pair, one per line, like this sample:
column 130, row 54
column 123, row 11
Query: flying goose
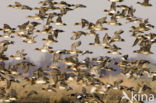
column 94, row 70
column 138, row 39
column 123, row 7
column 30, row 39
column 115, row 0
column 36, row 17
column 55, row 76
column 46, row 2
column 18, row 5
column 114, row 50
column 56, row 32
column 124, row 11
column 99, row 60
column 50, row 17
column 70, row 61
column 77, row 35
column 31, row 26
column 2, row 68
column 3, row 47
column 64, row 10
column 113, row 21
column 101, row 89
column 63, row 3
column 26, row 28
column 147, row 37
column 22, row 29
column 7, row 28
column 133, row 19
column 91, row 33
column 79, row 6
column 74, row 49
column 2, row 91
column 8, row 83
column 43, row 80
column 50, row 4
column 112, row 9
column 145, row 3
column 45, row 48
column 6, row 35
column 131, row 12
column 109, row 69
column 143, row 26
column 47, row 29
column 42, row 11
column 25, row 7
column 32, row 92
column 106, row 41
column 135, row 33
column 20, row 55
column 25, row 65
column 101, row 21
column 7, row 31
column 96, row 40
column 63, row 85
column 50, row 88
column 58, row 21
column 145, row 47
column 154, row 78
column 87, row 52
column 56, row 57
column 50, row 39
column 4, row 43
column 13, row 69
column 150, row 36
column 117, row 84
column 39, row 73
column 116, row 37
column 125, row 57
column 12, row 95
column 83, row 23
column 97, row 27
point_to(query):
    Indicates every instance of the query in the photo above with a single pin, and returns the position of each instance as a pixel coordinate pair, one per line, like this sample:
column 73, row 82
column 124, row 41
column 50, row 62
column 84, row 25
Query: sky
column 94, row 11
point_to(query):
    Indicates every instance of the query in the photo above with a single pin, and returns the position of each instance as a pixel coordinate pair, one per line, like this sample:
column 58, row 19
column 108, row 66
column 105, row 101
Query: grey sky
column 94, row 10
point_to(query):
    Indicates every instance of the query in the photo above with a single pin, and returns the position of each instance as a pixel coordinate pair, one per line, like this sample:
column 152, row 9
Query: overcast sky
column 94, row 11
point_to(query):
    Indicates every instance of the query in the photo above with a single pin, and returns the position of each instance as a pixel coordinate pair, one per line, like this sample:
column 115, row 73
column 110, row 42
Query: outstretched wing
column 18, row 3
column 135, row 42
column 75, row 45
column 101, row 20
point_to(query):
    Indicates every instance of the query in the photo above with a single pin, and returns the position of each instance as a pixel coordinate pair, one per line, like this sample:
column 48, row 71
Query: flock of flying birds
column 87, row 71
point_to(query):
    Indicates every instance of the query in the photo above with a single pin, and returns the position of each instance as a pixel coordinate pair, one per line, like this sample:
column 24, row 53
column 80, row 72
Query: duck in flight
column 20, row 55
column 145, row 3
column 59, row 22
column 45, row 49
column 18, row 5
